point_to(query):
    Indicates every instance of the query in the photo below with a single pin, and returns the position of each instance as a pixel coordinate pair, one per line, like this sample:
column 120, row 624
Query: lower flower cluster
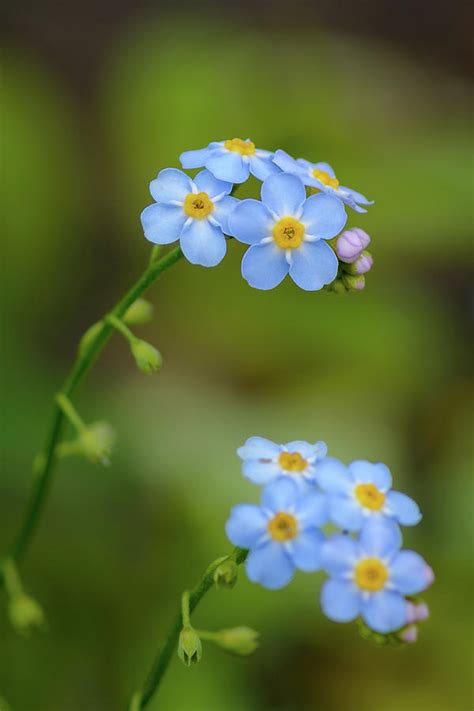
column 305, row 496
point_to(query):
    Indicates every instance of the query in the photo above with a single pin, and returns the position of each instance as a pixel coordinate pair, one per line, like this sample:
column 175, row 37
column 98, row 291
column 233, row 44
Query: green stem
column 12, row 578
column 185, row 611
column 44, row 470
column 70, row 411
column 119, row 326
column 142, row 698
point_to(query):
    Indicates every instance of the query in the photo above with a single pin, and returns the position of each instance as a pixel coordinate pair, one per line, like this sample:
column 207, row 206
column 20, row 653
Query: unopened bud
column 189, row 646
column 96, row 442
column 238, row 640
column 141, row 311
column 146, row 356
column 353, row 282
column 350, row 244
column 409, row 634
column 225, row 575
column 89, row 336
column 25, row 613
column 422, row 612
column 362, row 264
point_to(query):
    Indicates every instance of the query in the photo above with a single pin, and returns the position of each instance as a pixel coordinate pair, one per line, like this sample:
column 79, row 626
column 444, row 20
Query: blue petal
column 380, row 537
column 250, row 222
column 246, row 526
column 410, row 573
column 313, row 265
column 262, row 167
column 258, row 448
column 162, row 224
column 171, row 184
column 323, row 216
column 222, row 210
column 405, row 510
column 339, row 555
column 307, row 450
column 312, row 510
column 264, row 265
column 228, row 165
column 345, row 512
column 385, row 611
column 203, row 243
column 260, row 472
column 357, row 197
column 332, row 476
column 305, row 550
column 288, row 164
column 198, row 158
column 340, row 600
column 283, row 194
column 364, row 472
column 280, row 495
column 270, row 566
column 326, row 167
column 207, row 183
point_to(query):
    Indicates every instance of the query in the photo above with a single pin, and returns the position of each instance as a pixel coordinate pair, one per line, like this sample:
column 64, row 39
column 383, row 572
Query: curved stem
column 85, row 360
column 142, row 698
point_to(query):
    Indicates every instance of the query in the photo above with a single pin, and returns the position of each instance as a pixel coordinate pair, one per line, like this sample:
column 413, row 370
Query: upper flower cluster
column 288, row 232
column 370, row 577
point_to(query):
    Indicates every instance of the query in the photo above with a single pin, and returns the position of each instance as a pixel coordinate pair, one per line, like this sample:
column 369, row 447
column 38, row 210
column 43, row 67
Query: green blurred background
column 100, row 96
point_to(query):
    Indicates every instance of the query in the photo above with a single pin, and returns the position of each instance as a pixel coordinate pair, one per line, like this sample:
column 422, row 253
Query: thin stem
column 142, row 698
column 119, row 326
column 71, row 413
column 185, row 613
column 44, row 469
column 12, row 578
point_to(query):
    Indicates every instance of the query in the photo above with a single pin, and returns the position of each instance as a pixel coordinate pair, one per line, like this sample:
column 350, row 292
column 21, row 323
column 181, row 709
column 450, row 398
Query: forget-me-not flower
column 320, row 176
column 362, row 490
column 287, row 232
column 195, row 212
column 282, row 534
column 232, row 160
column 371, row 576
column 264, row 460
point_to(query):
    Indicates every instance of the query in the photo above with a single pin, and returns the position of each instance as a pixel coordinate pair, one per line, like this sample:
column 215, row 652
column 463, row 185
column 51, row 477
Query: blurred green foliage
column 381, row 375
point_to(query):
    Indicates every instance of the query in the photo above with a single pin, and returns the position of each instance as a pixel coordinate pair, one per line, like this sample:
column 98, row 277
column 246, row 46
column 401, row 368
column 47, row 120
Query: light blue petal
column 339, row 555
column 162, row 224
column 264, row 265
column 198, row 158
column 222, row 210
column 345, row 512
column 385, row 611
column 306, row 449
column 313, row 265
column 229, row 166
column 357, row 197
column 405, row 510
column 246, row 526
column 340, row 600
column 258, row 448
column 326, row 167
column 332, row 476
column 207, row 183
column 171, row 184
column 270, row 566
column 380, row 537
column 364, row 472
column 288, row 164
column 263, row 167
column 410, row 573
column 203, row 243
column 312, row 510
column 323, row 216
column 305, row 550
column 283, row 194
column 250, row 222
column 260, row 472
column 280, row 495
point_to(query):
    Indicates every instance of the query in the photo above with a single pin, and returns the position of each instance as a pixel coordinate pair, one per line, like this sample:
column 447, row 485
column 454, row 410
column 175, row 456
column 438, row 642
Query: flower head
column 263, row 460
column 321, row 177
column 282, row 533
column 362, row 490
column 371, row 577
column 287, row 233
column 231, row 160
column 195, row 212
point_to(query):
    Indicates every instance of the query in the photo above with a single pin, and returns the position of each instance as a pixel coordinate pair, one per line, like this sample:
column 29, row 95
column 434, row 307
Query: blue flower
column 282, row 533
column 361, row 490
column 263, row 460
column 195, row 212
column 321, row 177
column 231, row 160
column 370, row 577
column 287, row 233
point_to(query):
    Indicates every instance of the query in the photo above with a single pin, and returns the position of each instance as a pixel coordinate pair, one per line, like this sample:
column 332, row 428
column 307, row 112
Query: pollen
column 237, row 145
column 283, row 527
column 369, row 496
column 292, row 462
column 198, row 205
column 325, row 178
column 371, row 574
column 288, row 233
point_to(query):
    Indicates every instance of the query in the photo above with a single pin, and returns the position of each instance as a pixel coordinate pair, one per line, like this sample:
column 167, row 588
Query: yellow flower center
column 369, row 496
column 288, row 233
column 245, row 148
column 292, row 462
column 283, row 527
column 198, row 205
column 325, row 178
column 371, row 574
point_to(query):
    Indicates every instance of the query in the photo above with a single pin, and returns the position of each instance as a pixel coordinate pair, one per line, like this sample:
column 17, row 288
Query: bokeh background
column 97, row 98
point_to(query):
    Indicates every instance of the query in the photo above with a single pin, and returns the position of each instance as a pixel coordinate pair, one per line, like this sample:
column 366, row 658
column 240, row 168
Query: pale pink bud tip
column 351, row 243
column 429, row 575
column 409, row 634
column 364, row 263
column 422, row 612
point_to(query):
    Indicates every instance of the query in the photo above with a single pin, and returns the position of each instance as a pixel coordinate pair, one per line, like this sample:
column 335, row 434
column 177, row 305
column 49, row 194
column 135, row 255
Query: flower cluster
column 294, row 229
column 306, row 494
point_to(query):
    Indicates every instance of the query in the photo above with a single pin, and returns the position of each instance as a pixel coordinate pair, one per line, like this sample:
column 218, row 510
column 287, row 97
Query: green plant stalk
column 44, row 471
column 142, row 698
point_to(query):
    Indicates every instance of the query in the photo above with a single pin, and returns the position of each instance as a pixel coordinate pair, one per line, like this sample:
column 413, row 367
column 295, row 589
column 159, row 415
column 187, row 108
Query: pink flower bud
column 422, row 612
column 412, row 615
column 351, row 243
column 409, row 634
column 363, row 264
column 429, row 575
